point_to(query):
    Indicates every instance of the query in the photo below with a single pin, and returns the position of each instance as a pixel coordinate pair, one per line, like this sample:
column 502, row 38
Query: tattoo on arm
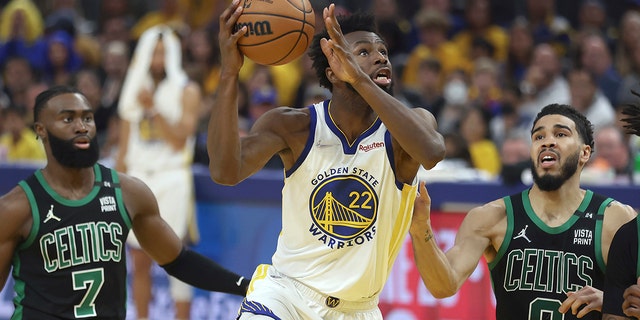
column 428, row 235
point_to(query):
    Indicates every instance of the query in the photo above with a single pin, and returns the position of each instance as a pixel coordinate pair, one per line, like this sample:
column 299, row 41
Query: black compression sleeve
column 201, row 272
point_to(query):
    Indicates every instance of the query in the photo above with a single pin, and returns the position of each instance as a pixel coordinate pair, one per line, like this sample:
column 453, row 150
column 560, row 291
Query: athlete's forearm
column 202, row 272
column 432, row 263
column 223, row 139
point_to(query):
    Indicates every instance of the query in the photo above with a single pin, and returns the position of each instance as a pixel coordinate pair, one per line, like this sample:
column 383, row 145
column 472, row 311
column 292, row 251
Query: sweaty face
column 372, row 56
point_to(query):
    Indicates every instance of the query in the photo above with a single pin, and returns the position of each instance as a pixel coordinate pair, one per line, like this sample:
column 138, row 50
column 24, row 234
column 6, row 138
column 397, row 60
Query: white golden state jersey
column 344, row 214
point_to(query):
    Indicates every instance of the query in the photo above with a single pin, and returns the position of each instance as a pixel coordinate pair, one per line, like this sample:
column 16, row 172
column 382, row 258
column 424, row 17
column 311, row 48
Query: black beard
column 550, row 182
column 65, row 152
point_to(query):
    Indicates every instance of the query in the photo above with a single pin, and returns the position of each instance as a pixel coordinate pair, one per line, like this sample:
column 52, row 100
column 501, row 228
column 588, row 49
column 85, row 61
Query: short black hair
column 45, row 96
column 583, row 125
column 359, row 21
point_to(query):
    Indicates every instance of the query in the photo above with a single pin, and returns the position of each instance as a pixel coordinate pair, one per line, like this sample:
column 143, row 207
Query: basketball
column 278, row 31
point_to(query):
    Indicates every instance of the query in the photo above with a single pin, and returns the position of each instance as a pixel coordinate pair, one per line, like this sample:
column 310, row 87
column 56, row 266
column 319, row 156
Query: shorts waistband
column 334, row 302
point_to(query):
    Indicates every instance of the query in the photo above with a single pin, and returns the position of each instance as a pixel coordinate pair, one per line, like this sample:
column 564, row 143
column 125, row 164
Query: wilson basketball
column 278, row 31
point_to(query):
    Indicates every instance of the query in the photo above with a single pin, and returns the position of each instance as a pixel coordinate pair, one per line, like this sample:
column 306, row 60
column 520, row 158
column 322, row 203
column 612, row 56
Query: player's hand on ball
column 230, row 56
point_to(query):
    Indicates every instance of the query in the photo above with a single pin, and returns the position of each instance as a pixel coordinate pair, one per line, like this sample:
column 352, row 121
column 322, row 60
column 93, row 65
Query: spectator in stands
column 430, row 86
column 520, row 51
column 592, row 17
column 66, row 18
column 285, row 78
column 485, row 91
column 115, row 62
column 631, row 81
column 484, row 152
column 543, row 83
column 17, row 77
column 456, row 96
column 159, row 113
column 610, row 146
column 626, row 45
column 433, row 27
column 21, row 32
column 202, row 61
column 19, row 141
column 62, row 60
column 479, row 26
column 547, row 26
column 595, row 57
column 589, row 100
column 262, row 99
column 515, row 160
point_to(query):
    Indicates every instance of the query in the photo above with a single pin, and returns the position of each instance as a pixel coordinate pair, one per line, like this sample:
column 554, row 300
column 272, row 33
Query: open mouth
column 382, row 77
column 547, row 159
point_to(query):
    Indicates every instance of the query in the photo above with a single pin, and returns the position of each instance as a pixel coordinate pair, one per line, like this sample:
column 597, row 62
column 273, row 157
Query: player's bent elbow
column 434, row 159
column 223, row 178
column 441, row 292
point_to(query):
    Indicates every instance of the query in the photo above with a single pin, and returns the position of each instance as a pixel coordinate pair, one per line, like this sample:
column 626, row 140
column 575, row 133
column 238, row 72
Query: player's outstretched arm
column 159, row 241
column 15, row 217
column 443, row 274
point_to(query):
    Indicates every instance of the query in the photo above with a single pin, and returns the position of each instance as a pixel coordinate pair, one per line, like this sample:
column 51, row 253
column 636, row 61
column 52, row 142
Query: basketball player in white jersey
column 350, row 166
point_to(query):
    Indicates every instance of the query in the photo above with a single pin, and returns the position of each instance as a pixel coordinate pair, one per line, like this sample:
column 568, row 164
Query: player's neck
column 71, row 183
column 556, row 205
column 352, row 119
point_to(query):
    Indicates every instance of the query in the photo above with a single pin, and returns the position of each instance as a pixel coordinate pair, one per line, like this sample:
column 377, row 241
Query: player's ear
column 331, row 75
column 40, row 131
column 585, row 153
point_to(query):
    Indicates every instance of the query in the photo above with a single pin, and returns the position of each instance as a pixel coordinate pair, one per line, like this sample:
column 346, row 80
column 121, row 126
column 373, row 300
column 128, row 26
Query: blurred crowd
column 484, row 68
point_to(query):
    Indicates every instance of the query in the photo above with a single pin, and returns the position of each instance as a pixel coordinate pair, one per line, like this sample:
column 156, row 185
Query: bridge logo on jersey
column 344, row 210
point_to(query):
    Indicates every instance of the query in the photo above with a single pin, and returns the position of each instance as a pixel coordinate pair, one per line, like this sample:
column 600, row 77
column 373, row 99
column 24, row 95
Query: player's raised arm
column 444, row 273
column 233, row 159
column 414, row 129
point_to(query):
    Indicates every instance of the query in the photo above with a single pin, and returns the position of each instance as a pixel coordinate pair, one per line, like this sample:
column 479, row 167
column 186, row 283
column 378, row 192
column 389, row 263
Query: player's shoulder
column 623, row 210
column 285, row 118
column 132, row 185
column 14, row 206
column 489, row 212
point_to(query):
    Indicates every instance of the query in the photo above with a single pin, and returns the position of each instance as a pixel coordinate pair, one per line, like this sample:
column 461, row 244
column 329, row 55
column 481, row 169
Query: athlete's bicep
column 15, row 215
column 472, row 240
column 155, row 236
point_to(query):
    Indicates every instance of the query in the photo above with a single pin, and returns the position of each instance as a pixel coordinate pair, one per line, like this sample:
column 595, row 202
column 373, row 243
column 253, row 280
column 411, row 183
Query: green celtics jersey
column 537, row 264
column 72, row 265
